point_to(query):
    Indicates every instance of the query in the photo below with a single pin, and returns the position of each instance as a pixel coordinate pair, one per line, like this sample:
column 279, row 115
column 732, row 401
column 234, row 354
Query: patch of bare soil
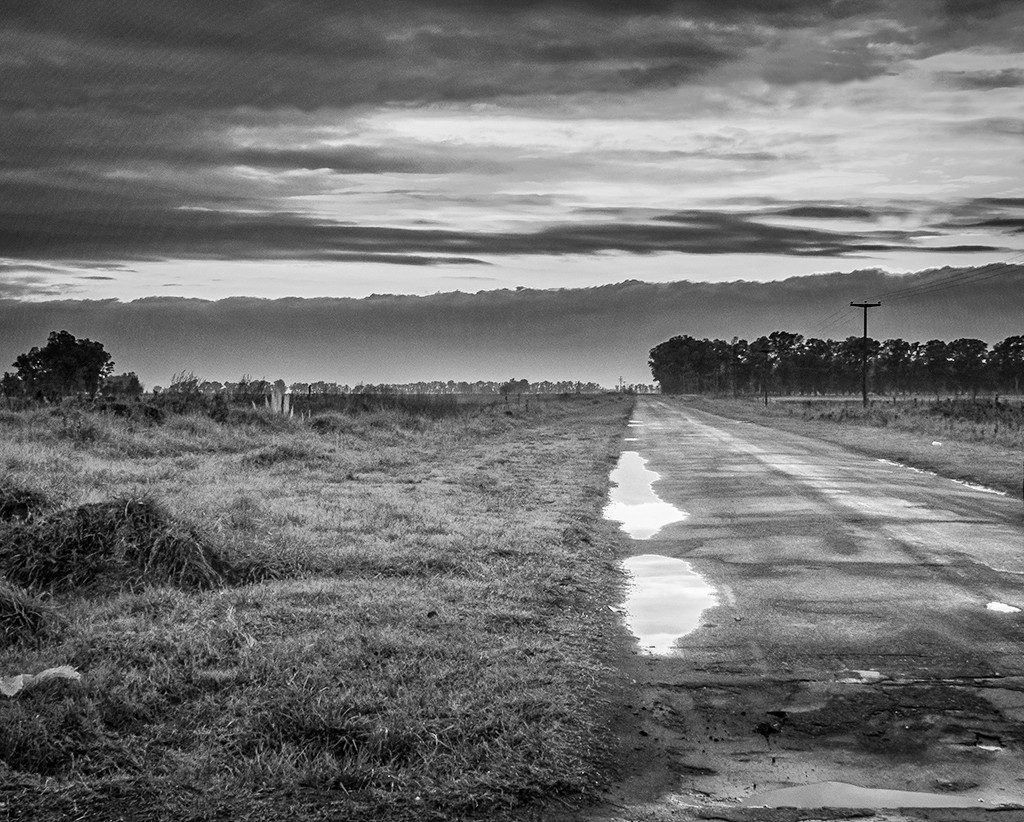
column 693, row 746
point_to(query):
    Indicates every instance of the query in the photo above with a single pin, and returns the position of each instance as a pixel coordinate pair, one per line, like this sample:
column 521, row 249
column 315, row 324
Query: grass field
column 377, row 615
column 981, row 442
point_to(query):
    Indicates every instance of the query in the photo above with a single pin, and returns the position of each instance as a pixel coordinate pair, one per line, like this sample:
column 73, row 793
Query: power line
column 827, row 321
column 954, row 280
column 839, row 317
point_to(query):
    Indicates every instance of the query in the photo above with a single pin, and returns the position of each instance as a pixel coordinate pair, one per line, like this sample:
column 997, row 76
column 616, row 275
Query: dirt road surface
column 853, row 641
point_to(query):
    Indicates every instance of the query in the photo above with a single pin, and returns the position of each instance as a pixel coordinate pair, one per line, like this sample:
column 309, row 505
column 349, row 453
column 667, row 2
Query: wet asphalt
column 852, row 642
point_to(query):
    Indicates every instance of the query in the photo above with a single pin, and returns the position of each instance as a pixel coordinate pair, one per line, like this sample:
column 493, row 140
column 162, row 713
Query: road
column 852, row 642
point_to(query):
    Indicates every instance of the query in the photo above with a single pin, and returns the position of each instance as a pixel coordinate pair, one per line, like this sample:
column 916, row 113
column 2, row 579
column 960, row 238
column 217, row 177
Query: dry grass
column 19, row 502
column 412, row 623
column 123, row 543
column 21, row 615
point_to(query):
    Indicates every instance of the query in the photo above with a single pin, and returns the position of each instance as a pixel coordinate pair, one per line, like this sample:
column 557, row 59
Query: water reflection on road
column 666, row 596
column 666, row 599
column 843, row 795
column 633, row 501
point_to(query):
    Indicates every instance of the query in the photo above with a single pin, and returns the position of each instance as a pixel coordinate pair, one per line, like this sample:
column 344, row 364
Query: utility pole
column 764, row 350
column 864, row 350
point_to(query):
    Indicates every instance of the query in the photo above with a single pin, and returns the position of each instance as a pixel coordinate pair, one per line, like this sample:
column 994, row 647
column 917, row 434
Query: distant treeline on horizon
column 787, row 363
column 247, row 388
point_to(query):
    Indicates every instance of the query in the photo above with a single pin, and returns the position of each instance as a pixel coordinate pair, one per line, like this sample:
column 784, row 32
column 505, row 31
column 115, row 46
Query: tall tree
column 894, row 359
column 813, row 362
column 935, row 364
column 1008, row 362
column 785, row 347
column 64, row 367
column 968, row 361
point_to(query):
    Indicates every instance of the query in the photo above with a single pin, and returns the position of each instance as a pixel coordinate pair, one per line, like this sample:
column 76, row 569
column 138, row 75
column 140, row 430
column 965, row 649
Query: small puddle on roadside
column 666, row 596
column 843, row 795
column 633, row 501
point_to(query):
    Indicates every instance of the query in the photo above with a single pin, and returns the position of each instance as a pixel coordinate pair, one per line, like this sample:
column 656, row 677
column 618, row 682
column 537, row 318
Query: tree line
column 247, row 387
column 70, row 367
column 786, row 363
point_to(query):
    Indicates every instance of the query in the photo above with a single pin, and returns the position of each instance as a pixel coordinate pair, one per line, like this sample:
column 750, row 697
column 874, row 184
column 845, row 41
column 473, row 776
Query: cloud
column 161, row 234
column 258, row 129
column 195, row 56
column 966, row 10
column 988, row 126
column 1010, row 224
column 152, row 57
column 828, row 212
column 27, row 286
column 984, row 80
column 1000, row 215
column 163, row 231
column 1000, row 202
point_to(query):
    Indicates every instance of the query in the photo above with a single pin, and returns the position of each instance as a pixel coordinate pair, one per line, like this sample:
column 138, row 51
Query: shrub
column 332, row 422
column 77, row 426
column 115, row 544
column 259, row 418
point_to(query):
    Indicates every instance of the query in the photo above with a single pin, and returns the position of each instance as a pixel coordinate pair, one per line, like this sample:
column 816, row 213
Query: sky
column 276, row 148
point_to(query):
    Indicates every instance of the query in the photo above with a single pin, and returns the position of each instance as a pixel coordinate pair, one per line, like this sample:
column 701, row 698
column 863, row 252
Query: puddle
column 633, row 501
column 666, row 596
column 843, row 795
column 859, row 677
column 1003, row 608
column 665, row 601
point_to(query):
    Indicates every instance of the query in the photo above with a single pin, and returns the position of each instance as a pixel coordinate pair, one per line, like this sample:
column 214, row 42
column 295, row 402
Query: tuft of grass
column 21, row 614
column 19, row 502
column 282, row 452
column 53, row 726
column 120, row 543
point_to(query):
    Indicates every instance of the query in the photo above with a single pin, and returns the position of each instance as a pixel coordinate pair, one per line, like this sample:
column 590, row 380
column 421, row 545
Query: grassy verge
column 377, row 616
column 977, row 443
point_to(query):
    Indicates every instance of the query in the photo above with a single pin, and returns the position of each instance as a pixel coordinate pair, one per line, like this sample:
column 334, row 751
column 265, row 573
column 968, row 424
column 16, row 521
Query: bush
column 133, row 410
column 122, row 543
